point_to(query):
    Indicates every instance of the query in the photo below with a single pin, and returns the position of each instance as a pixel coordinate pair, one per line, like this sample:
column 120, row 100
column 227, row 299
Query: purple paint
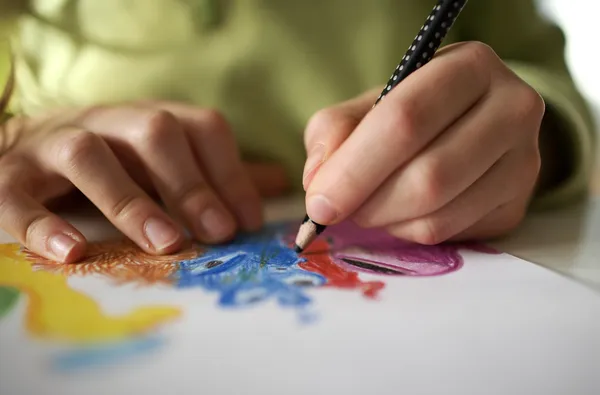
column 375, row 251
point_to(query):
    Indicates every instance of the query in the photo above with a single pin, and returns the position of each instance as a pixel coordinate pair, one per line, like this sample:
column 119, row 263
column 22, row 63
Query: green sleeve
column 534, row 48
column 9, row 10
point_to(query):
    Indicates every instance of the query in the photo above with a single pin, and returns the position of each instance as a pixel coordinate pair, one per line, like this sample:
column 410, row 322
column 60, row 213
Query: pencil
column 420, row 52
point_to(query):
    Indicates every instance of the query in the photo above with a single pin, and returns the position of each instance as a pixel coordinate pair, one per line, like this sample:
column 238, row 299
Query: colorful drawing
column 318, row 259
column 57, row 312
column 252, row 269
column 121, row 261
column 377, row 252
column 84, row 356
column 257, row 267
column 8, row 297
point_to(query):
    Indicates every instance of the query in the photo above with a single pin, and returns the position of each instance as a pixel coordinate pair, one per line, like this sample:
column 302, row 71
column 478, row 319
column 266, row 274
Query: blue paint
column 252, row 269
column 307, row 317
column 103, row 354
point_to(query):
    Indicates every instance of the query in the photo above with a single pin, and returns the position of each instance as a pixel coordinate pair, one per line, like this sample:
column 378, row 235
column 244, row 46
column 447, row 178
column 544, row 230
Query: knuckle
column 159, row 127
column 363, row 219
column 478, row 53
column 428, row 186
column 323, row 121
column 405, row 122
column 529, row 104
column 31, row 227
column 127, row 204
column 213, row 126
column 198, row 192
column 401, row 126
column 429, row 232
column 477, row 60
column 215, row 121
column 79, row 146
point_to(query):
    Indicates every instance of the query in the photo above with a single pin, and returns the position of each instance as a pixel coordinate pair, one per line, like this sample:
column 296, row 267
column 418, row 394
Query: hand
column 451, row 153
column 117, row 157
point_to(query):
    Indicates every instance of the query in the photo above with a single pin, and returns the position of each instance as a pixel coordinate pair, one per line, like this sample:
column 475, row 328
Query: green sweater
column 268, row 65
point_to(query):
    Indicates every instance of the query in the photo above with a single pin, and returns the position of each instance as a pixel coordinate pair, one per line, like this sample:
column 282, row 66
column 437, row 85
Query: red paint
column 319, row 261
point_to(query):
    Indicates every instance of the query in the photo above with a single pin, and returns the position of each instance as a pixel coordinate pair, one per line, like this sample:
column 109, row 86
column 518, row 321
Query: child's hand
column 450, row 153
column 114, row 156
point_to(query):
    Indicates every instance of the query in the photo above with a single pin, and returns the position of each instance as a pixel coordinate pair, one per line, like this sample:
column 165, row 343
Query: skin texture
column 119, row 158
column 451, row 153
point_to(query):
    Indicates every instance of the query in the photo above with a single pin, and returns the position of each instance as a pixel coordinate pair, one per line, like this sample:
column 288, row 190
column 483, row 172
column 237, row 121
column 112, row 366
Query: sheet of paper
column 358, row 313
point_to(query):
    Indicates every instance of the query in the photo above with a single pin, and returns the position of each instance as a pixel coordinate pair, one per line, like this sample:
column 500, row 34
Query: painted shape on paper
column 252, row 269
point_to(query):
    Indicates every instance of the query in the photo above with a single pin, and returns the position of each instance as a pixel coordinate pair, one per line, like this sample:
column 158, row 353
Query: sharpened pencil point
column 309, row 230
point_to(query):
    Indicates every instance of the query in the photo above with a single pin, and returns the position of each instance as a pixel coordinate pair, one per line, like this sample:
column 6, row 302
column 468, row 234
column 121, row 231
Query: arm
column 9, row 11
column 533, row 48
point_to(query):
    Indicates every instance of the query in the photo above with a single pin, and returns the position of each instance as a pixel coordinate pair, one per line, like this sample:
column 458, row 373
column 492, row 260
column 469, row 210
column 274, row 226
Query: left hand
column 451, row 153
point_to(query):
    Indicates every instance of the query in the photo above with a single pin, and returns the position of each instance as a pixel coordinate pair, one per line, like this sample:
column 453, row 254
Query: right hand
column 118, row 156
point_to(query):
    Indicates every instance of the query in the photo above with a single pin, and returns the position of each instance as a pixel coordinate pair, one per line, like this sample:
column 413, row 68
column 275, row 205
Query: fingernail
column 215, row 224
column 320, row 210
column 315, row 159
column 61, row 246
column 160, row 233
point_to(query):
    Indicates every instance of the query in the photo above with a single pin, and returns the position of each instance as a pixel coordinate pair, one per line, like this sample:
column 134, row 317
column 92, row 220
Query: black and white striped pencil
column 420, row 52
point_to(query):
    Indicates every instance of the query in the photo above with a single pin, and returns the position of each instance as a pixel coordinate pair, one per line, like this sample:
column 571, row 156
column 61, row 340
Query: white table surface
column 566, row 241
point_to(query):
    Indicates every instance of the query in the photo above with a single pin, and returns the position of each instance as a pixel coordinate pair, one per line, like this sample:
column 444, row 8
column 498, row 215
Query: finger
column 487, row 194
column 269, row 179
column 158, row 139
column 33, row 225
column 329, row 128
column 86, row 160
column 412, row 115
column 497, row 223
column 215, row 148
column 449, row 165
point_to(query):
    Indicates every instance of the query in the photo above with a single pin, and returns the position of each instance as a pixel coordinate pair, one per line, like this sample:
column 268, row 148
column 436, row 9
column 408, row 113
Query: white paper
column 497, row 325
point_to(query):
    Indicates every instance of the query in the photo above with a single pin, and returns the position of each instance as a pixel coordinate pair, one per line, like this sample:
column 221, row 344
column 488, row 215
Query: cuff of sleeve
column 559, row 92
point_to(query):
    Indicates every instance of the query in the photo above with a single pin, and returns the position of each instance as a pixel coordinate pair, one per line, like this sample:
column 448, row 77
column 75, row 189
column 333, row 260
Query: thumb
column 269, row 179
column 329, row 128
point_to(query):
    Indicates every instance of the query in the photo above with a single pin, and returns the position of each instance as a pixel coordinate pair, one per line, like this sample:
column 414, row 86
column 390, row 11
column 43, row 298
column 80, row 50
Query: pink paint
column 375, row 251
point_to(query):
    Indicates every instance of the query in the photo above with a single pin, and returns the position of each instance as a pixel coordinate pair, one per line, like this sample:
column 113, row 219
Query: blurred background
column 579, row 20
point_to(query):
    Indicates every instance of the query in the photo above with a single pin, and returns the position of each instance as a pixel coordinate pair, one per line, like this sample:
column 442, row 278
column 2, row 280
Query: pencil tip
column 298, row 249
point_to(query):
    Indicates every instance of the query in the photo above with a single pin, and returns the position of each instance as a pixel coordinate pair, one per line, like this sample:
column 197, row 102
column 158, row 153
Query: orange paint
column 319, row 261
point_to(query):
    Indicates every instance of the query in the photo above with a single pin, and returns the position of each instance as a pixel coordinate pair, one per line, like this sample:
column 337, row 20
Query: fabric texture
column 268, row 65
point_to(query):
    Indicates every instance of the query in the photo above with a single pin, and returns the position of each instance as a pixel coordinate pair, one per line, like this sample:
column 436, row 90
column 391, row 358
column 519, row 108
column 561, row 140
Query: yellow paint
column 57, row 312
